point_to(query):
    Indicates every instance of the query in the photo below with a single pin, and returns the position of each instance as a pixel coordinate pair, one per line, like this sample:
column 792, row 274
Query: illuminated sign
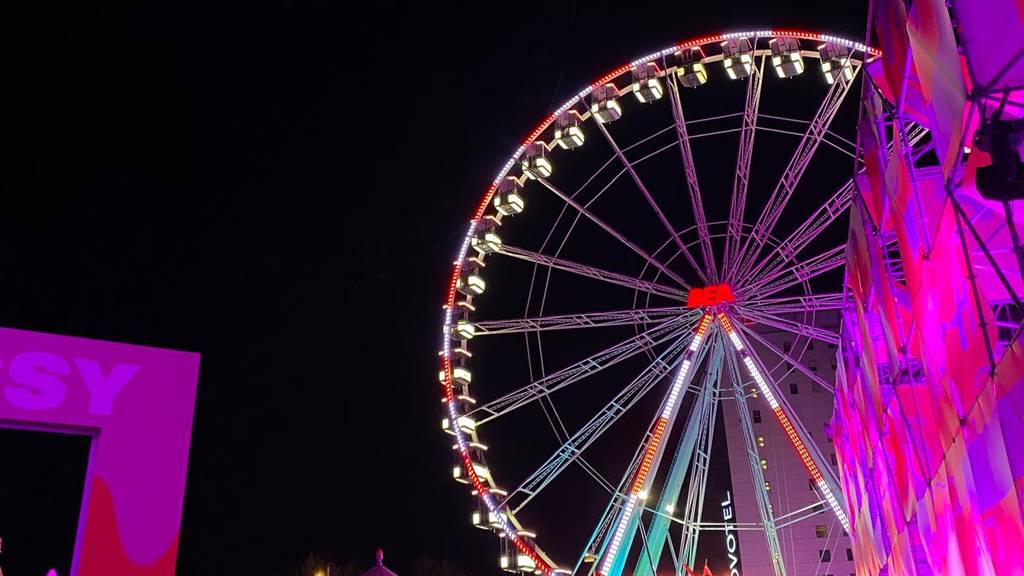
column 731, row 545
column 136, row 405
column 709, row 296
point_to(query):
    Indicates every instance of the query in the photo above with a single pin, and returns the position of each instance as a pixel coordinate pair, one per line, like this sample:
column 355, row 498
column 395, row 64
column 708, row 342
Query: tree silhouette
column 316, row 563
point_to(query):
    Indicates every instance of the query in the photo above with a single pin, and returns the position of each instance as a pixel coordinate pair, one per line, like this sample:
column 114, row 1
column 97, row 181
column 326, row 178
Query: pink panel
column 938, row 69
column 890, row 22
column 137, row 405
column 992, row 31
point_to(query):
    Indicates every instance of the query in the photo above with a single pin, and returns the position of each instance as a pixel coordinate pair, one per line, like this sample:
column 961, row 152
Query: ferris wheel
column 608, row 241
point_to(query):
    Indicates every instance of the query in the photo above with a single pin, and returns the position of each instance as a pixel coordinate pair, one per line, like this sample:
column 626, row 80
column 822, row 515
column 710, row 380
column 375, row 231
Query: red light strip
column 787, row 425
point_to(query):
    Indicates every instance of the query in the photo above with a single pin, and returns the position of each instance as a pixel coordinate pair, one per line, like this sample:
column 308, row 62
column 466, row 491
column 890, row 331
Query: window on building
column 831, row 346
column 820, row 531
column 810, row 344
column 815, row 387
column 849, row 555
column 835, row 363
column 794, row 388
column 787, row 346
column 828, row 434
column 757, row 416
column 832, row 457
column 813, row 365
column 825, row 555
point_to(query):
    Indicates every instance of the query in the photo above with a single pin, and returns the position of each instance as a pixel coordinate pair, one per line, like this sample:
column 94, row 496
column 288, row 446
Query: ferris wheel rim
column 542, row 564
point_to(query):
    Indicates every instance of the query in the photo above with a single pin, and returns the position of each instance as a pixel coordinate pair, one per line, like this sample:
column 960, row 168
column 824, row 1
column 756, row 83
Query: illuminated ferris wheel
column 613, row 281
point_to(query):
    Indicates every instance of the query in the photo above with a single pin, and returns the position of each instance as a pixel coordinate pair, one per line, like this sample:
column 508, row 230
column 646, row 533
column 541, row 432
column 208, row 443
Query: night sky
column 194, row 176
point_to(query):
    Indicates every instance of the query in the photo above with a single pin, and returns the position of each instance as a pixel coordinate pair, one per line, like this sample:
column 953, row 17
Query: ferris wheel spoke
column 797, row 273
column 823, row 217
column 597, row 476
column 650, row 200
column 616, row 504
column 561, row 433
column 573, row 448
column 789, row 325
column 794, row 362
column 798, row 163
column 768, row 520
column 584, row 320
column 692, row 184
column 617, row 541
column 593, row 272
column 820, row 472
column 582, row 369
column 738, row 203
column 693, row 449
column 614, row 233
column 704, row 444
column 795, row 304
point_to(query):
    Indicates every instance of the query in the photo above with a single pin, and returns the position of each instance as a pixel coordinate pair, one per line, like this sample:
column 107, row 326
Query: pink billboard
column 136, row 405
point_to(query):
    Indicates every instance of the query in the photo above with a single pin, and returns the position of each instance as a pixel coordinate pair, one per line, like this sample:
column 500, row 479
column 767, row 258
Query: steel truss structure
column 928, row 393
column 696, row 299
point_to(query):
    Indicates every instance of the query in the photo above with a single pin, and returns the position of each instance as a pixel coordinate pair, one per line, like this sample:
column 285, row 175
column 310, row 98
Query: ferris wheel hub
column 708, row 296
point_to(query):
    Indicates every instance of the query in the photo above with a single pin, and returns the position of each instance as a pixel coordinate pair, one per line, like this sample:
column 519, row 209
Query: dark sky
column 196, row 176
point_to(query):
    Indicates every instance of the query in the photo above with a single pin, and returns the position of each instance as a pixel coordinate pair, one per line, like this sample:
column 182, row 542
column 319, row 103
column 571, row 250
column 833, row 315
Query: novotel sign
column 136, row 405
column 731, row 545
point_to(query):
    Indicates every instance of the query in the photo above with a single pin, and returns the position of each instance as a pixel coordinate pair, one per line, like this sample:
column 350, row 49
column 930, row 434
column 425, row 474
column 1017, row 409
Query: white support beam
column 692, row 184
column 821, row 473
column 579, row 370
column 582, row 320
column 593, row 272
column 787, row 184
column 738, row 203
column 614, row 233
column 569, row 451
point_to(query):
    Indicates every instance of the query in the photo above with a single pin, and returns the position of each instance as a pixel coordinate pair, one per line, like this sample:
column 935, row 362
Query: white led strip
column 662, row 424
column 787, row 426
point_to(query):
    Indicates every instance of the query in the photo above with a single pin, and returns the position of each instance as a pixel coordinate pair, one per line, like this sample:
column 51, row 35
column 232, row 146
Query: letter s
column 39, row 388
